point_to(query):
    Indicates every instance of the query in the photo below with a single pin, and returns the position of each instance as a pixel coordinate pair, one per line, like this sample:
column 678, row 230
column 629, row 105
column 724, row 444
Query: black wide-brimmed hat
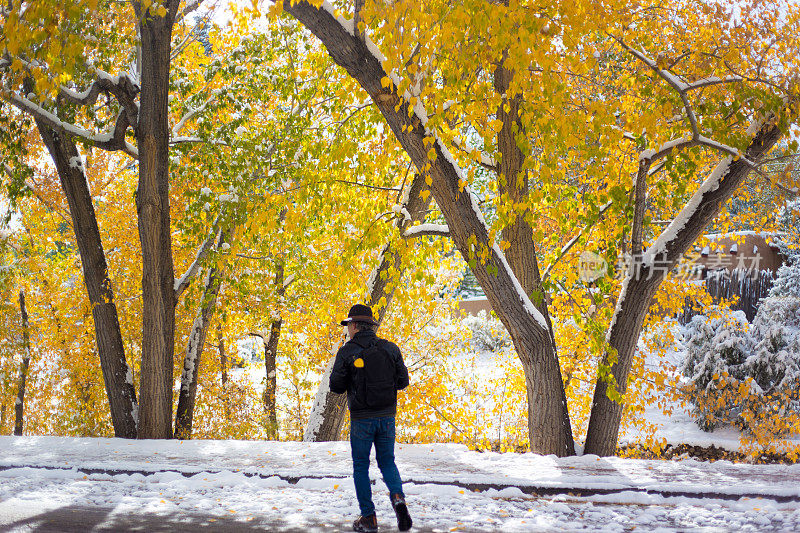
column 360, row 313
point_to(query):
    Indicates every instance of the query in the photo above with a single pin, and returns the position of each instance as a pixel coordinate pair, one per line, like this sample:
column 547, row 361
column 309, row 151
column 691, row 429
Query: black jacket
column 342, row 379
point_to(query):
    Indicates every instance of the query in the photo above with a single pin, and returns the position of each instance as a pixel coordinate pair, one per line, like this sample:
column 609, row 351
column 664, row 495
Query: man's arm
column 402, row 372
column 338, row 381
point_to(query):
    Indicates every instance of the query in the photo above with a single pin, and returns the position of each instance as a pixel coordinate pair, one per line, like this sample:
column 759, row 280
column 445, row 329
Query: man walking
column 371, row 371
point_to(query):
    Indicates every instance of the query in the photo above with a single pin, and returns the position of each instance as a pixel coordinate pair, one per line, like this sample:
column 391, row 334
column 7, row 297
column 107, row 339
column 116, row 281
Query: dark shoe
column 368, row 524
column 403, row 518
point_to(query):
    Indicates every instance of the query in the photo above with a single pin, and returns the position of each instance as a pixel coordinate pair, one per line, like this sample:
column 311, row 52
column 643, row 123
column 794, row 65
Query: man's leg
column 384, row 451
column 361, row 436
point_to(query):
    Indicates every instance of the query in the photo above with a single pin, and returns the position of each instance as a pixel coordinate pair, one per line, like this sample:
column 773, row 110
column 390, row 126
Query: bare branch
column 572, row 242
column 393, row 189
column 182, row 283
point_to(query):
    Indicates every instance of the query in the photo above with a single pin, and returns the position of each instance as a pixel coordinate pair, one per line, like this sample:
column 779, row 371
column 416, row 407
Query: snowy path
column 239, row 486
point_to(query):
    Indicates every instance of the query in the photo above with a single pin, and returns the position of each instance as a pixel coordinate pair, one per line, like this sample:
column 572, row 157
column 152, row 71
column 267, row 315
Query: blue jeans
column 363, row 433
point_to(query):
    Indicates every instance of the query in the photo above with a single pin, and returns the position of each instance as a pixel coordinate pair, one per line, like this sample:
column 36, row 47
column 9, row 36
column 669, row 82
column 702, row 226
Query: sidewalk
column 436, row 463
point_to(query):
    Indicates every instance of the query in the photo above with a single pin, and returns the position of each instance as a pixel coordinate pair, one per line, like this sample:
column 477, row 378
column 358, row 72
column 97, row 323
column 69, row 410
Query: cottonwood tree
column 768, row 116
column 424, row 98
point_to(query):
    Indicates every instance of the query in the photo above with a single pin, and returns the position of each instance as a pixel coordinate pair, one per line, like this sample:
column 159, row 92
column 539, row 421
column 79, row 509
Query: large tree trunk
column 526, row 325
column 643, row 279
column 514, row 186
column 117, row 376
column 19, row 403
column 328, row 412
column 153, row 209
column 194, row 352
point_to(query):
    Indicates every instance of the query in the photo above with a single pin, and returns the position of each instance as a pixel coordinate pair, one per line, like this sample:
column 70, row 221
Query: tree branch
column 716, row 188
column 182, row 283
column 682, row 88
column 111, row 141
column 438, row 230
column 190, row 115
column 676, row 83
column 121, row 86
column 639, row 207
column 572, row 242
column 393, row 189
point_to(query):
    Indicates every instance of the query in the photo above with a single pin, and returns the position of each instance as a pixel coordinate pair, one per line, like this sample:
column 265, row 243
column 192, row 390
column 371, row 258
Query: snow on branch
column 182, row 283
column 683, row 88
column 122, row 87
column 111, row 141
column 713, row 80
column 486, row 161
column 427, row 230
column 678, row 84
column 288, row 281
column 698, row 199
column 191, row 114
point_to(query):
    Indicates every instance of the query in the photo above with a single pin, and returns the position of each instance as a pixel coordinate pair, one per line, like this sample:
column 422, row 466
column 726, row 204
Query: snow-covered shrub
column 715, row 348
column 745, row 374
column 788, row 275
column 788, row 280
column 775, row 360
column 488, row 333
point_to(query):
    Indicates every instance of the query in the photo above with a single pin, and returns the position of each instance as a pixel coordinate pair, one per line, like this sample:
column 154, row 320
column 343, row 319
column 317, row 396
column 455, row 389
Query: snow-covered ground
column 240, row 485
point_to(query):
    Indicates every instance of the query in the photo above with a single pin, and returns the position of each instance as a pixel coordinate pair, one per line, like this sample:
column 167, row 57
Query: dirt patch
column 702, row 453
